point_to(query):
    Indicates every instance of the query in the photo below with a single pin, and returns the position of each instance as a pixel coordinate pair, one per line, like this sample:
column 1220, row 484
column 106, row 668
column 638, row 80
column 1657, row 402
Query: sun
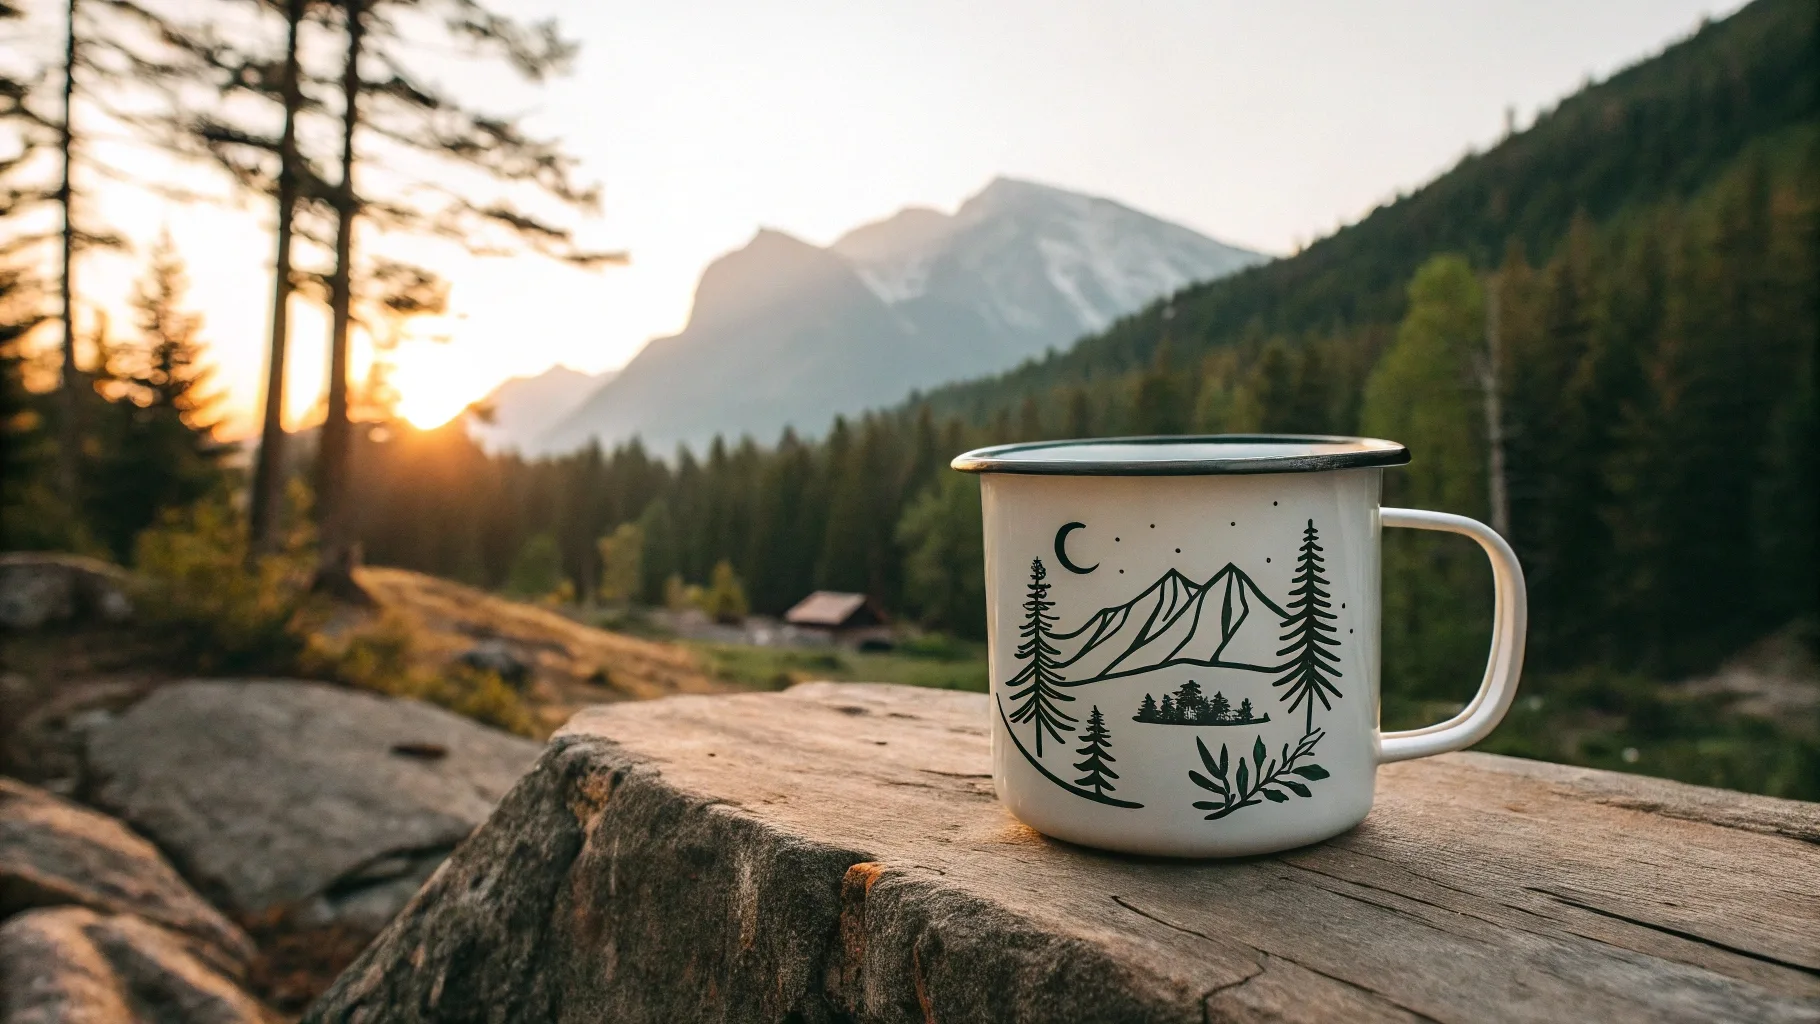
column 427, row 410
column 435, row 381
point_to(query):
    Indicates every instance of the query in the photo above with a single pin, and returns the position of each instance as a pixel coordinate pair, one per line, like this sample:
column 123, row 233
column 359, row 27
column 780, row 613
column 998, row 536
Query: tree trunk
column 69, row 434
column 1494, row 408
column 338, row 552
column 268, row 471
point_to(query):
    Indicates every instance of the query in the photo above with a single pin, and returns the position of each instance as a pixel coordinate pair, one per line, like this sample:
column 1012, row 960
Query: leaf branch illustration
column 1262, row 778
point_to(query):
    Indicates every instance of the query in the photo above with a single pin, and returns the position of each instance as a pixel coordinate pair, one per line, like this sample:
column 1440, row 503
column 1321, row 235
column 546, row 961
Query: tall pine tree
column 1311, row 668
column 1098, row 757
column 1034, row 691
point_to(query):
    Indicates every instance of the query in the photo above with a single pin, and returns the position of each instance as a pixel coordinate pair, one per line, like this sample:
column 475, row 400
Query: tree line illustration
column 1036, row 697
column 1309, row 675
column 1189, row 706
column 1097, row 754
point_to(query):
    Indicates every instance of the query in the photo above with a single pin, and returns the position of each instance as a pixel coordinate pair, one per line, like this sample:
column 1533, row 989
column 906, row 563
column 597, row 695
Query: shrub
column 223, row 616
column 537, row 571
column 380, row 658
column 725, row 600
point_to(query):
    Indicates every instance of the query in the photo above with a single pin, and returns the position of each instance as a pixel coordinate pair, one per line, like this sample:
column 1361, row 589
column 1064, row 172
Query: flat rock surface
column 269, row 795
column 71, row 964
column 56, row 853
column 835, row 853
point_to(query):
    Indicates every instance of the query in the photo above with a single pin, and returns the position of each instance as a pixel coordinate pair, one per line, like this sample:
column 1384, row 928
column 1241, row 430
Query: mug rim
column 1149, row 455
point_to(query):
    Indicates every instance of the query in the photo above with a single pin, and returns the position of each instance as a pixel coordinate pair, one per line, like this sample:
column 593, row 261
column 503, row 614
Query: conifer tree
column 155, row 447
column 1035, row 691
column 537, row 571
column 1218, row 708
column 169, row 369
column 621, row 564
column 940, row 534
column 1309, row 673
column 1098, row 757
column 1245, row 711
column 1147, row 710
column 726, row 596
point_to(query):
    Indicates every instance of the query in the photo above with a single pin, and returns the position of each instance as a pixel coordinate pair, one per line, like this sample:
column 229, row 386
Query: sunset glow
column 440, row 369
column 1243, row 131
column 430, row 398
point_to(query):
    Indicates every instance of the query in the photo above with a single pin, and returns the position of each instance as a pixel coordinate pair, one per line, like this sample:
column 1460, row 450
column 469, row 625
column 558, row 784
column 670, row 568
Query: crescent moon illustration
column 1061, row 549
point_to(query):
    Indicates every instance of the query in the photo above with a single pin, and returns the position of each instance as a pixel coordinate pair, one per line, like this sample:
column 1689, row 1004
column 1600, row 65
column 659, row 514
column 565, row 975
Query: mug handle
column 1510, row 618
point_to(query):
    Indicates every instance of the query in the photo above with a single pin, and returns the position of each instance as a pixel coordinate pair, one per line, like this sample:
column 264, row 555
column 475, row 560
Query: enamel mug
column 1183, row 638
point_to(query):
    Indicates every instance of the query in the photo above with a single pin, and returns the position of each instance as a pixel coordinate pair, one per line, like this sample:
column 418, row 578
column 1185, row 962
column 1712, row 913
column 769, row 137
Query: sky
column 1262, row 125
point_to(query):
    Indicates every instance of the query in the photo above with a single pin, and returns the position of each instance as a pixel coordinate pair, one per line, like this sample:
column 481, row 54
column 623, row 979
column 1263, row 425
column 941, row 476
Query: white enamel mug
column 1183, row 638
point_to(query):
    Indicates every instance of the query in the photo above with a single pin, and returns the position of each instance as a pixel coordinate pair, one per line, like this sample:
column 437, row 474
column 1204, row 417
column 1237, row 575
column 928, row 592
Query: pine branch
column 1265, row 777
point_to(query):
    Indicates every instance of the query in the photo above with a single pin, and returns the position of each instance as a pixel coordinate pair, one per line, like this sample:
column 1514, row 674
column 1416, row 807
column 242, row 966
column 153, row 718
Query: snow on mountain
column 892, row 255
column 1104, row 259
column 784, row 333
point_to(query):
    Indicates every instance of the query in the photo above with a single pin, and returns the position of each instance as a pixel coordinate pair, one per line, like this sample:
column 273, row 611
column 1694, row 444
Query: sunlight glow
column 436, row 375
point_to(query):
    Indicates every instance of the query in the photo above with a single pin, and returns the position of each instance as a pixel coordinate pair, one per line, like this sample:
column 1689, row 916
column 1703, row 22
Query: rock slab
column 330, row 803
column 835, row 853
column 37, row 589
column 55, row 853
column 71, row 964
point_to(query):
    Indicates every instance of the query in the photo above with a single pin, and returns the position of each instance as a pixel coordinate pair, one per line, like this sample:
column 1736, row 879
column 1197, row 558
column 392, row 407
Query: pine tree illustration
column 1219, row 709
column 1147, row 710
column 1311, row 669
column 1033, row 691
column 1098, row 742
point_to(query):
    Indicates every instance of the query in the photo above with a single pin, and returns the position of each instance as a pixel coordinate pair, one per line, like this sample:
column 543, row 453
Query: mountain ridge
column 520, row 408
column 1177, row 597
column 787, row 334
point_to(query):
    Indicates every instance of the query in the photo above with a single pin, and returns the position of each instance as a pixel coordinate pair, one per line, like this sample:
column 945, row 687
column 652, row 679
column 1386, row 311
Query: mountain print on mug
column 1184, row 637
column 1178, row 622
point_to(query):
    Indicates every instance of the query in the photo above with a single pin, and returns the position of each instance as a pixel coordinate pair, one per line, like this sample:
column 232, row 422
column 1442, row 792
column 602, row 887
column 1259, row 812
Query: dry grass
column 572, row 664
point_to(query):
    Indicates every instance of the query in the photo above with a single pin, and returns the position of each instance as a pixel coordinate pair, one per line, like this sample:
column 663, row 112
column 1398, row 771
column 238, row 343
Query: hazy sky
column 1264, row 125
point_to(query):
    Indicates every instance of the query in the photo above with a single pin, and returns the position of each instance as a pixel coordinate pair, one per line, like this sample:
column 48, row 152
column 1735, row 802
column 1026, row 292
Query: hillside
column 1658, row 130
column 784, row 333
column 571, row 665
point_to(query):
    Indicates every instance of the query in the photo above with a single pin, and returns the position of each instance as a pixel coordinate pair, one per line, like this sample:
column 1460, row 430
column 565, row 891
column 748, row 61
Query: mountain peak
column 769, row 239
column 1005, row 185
column 785, row 333
column 1002, row 195
column 524, row 407
column 909, row 229
column 770, row 268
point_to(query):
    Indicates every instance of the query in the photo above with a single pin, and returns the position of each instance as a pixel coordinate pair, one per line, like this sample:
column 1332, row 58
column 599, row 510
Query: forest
column 1598, row 335
column 1649, row 253
column 1655, row 373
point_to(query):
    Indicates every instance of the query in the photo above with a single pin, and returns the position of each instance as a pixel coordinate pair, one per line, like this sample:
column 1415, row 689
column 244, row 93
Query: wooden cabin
column 852, row 619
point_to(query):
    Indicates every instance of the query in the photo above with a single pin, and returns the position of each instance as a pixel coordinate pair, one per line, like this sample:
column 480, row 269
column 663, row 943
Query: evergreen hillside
column 1659, row 130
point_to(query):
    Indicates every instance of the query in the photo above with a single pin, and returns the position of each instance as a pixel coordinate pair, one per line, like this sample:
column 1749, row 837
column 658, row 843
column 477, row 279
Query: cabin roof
column 831, row 609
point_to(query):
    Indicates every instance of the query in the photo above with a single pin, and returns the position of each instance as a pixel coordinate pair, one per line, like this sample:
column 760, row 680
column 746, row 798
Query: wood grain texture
column 835, row 853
